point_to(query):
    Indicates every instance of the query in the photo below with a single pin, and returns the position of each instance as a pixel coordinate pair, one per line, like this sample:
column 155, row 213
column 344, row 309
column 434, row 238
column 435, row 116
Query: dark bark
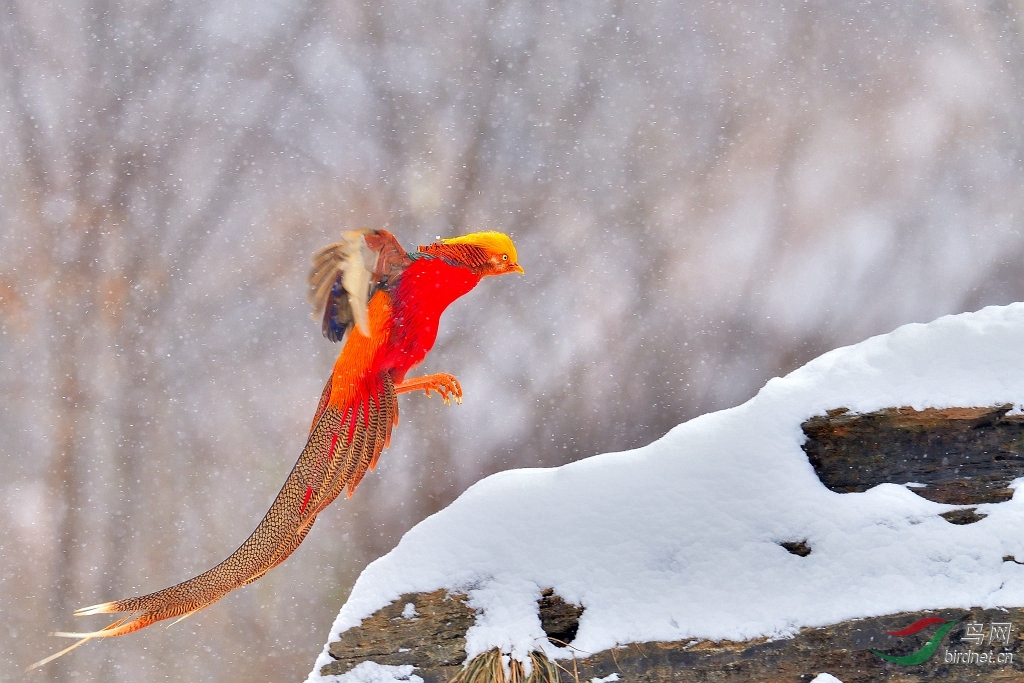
column 963, row 456
column 434, row 640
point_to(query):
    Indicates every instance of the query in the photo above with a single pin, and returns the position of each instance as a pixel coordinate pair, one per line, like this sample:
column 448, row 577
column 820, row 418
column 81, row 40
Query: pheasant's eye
column 504, row 257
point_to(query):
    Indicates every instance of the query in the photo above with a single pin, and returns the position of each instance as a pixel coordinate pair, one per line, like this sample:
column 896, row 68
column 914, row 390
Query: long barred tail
column 342, row 445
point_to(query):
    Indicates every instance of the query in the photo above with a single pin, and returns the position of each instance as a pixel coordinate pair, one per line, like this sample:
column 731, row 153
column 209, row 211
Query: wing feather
column 351, row 459
column 346, row 274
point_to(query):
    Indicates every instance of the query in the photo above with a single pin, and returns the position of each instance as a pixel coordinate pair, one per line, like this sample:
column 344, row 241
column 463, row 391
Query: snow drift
column 679, row 539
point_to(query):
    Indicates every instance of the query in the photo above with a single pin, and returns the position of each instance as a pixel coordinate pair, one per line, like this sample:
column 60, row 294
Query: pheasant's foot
column 443, row 383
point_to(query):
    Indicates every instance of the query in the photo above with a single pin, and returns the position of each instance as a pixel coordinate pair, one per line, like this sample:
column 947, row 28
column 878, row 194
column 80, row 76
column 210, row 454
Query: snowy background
column 704, row 196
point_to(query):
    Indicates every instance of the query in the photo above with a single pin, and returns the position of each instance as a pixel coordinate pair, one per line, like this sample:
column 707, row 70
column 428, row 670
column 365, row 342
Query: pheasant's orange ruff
column 355, row 415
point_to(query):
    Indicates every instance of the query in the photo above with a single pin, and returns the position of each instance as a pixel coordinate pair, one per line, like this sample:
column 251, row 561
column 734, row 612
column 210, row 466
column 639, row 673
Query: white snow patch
column 610, row 678
column 826, row 678
column 680, row 539
column 409, row 611
column 372, row 672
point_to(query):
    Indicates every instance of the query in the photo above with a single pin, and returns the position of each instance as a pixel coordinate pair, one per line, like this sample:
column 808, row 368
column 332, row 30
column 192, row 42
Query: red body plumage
column 424, row 291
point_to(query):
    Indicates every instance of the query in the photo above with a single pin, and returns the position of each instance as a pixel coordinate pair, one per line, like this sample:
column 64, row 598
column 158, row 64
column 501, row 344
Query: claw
column 444, row 384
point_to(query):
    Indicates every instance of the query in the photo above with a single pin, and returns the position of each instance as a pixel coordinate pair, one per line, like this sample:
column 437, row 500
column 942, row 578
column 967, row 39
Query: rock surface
column 431, row 636
column 434, row 641
column 962, row 456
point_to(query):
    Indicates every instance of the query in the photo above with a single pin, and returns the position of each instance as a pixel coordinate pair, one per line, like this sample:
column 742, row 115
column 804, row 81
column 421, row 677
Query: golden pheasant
column 385, row 304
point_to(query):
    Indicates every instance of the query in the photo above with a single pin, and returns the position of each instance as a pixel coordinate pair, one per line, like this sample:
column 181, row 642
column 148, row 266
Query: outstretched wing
column 347, row 273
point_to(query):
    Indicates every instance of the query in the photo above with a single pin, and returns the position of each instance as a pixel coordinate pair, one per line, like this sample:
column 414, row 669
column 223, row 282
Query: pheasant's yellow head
column 487, row 253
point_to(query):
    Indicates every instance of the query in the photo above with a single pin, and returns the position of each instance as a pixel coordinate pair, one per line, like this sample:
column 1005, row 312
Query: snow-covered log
column 858, row 517
column 430, row 644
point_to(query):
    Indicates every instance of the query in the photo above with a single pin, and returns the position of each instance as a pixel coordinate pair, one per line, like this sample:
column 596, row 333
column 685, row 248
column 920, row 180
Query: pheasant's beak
column 516, row 268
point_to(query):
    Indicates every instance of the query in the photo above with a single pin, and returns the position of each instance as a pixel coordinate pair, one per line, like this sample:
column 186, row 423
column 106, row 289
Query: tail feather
column 102, row 608
column 326, row 466
column 114, row 629
column 120, row 627
column 57, row 655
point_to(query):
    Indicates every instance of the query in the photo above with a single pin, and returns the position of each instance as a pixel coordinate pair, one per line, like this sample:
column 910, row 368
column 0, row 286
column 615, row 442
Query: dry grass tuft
column 488, row 668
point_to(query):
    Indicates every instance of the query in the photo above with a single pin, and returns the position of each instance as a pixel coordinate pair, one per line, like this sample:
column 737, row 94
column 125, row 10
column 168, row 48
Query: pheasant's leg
column 441, row 382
